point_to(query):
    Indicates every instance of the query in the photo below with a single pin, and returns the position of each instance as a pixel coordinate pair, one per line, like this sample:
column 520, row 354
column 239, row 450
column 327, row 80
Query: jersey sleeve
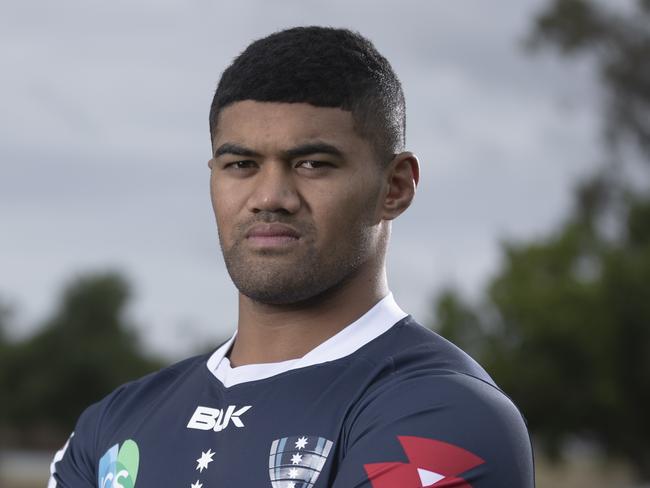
column 72, row 466
column 445, row 430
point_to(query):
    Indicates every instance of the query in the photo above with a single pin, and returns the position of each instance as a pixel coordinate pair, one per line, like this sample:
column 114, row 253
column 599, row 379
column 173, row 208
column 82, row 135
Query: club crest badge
column 296, row 462
column 118, row 467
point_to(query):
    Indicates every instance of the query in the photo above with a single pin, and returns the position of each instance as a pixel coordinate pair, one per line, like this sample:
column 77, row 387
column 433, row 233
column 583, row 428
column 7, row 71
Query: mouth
column 272, row 235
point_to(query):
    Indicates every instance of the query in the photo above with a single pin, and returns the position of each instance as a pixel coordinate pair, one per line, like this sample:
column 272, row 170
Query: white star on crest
column 291, row 485
column 301, row 443
column 296, row 459
column 293, row 473
column 204, row 460
column 197, row 485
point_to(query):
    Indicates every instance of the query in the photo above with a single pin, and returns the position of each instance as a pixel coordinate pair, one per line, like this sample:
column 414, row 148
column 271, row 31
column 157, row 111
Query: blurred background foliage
column 563, row 326
column 84, row 351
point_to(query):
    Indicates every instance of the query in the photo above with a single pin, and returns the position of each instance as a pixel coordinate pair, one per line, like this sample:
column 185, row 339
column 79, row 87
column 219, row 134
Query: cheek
column 224, row 207
column 347, row 215
column 213, row 192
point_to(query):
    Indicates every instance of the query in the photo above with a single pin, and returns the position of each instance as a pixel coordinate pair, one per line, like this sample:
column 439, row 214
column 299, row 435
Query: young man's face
column 297, row 197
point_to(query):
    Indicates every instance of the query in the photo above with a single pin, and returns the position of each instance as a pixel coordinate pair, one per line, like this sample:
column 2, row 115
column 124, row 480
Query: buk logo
column 118, row 468
column 217, row 419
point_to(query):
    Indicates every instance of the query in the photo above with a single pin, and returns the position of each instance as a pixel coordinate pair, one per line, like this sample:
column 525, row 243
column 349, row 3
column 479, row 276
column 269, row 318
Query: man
column 327, row 382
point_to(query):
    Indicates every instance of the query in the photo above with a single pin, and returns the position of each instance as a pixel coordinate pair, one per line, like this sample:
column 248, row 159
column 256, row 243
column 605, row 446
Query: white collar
column 381, row 317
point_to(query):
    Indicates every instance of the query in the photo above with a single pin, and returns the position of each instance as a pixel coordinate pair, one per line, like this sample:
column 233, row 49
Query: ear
column 403, row 174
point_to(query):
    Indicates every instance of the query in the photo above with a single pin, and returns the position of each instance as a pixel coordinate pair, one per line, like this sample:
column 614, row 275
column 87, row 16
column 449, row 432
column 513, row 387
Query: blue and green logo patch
column 118, row 468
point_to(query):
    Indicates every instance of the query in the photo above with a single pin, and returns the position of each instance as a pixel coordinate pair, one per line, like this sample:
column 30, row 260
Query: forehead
column 273, row 125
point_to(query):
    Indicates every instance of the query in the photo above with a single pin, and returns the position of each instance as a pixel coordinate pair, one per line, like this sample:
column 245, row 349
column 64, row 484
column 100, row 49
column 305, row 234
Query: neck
column 272, row 333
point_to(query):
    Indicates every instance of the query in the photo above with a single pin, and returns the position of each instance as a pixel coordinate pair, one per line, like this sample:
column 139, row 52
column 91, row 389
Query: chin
column 277, row 295
column 293, row 291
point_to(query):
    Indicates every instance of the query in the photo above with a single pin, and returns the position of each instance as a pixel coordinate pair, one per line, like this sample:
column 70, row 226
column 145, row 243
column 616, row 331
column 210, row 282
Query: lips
column 272, row 230
column 272, row 235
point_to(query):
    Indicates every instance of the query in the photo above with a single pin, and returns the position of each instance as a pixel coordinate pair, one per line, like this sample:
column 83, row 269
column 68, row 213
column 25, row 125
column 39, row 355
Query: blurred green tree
column 4, row 320
column 564, row 326
column 5, row 315
column 81, row 354
column 565, row 329
column 619, row 43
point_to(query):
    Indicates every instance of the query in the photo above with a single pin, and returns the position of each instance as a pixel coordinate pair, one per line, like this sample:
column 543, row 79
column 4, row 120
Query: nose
column 274, row 190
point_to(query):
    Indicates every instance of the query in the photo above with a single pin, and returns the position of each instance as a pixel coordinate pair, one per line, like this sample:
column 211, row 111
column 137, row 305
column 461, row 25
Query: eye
column 246, row 164
column 312, row 164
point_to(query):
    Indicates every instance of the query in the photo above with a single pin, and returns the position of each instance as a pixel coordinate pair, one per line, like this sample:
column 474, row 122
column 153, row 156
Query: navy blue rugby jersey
column 385, row 403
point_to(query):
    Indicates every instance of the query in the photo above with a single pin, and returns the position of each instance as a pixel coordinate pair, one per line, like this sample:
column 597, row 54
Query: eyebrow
column 235, row 150
column 300, row 150
column 313, row 148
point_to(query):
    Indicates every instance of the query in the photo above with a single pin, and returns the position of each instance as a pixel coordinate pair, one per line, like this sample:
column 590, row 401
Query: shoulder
column 410, row 350
column 443, row 405
column 101, row 423
column 432, row 382
column 150, row 386
column 434, row 398
column 127, row 403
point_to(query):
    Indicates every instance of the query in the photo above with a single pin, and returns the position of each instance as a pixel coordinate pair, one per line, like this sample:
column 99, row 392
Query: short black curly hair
column 325, row 67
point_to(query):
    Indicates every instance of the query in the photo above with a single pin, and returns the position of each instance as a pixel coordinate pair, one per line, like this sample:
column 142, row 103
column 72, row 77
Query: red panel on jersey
column 434, row 458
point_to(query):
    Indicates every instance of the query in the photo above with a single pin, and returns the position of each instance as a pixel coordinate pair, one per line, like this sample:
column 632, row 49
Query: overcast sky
column 104, row 143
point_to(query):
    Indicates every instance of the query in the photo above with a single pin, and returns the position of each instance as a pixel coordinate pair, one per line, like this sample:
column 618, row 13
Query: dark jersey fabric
column 407, row 410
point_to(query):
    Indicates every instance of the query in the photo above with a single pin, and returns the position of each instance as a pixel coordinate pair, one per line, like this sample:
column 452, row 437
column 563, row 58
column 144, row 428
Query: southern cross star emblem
column 301, row 443
column 203, row 461
column 197, row 485
column 296, row 461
